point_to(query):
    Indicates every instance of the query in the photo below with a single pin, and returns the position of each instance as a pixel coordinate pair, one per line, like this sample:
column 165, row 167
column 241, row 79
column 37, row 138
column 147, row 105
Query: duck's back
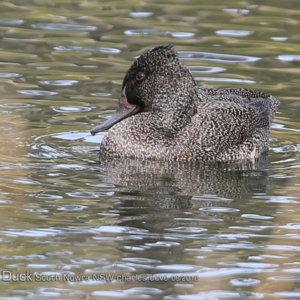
column 233, row 123
column 264, row 103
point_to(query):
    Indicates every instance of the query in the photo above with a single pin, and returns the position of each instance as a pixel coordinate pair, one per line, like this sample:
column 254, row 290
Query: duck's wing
column 264, row 103
column 224, row 124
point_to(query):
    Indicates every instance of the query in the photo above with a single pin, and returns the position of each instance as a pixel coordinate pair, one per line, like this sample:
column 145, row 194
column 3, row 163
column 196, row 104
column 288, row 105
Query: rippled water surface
column 74, row 227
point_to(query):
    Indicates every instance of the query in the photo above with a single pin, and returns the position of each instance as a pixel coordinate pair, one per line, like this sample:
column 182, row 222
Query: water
column 74, row 227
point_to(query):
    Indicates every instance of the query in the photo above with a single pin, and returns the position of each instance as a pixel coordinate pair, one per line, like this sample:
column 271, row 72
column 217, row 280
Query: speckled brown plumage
column 170, row 118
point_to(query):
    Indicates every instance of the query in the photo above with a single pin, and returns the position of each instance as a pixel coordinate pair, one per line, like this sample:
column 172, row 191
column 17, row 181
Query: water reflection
column 226, row 80
column 233, row 33
column 57, row 26
column 141, row 14
column 36, row 93
column 70, row 109
column 217, row 57
column 11, row 22
column 207, row 70
column 59, row 82
column 9, row 75
column 89, row 49
column 289, row 57
column 209, row 188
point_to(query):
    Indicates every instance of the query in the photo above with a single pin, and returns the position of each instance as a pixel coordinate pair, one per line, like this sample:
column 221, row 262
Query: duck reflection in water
column 156, row 192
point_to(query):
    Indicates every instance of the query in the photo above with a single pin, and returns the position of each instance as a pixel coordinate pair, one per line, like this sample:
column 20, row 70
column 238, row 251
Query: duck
column 162, row 114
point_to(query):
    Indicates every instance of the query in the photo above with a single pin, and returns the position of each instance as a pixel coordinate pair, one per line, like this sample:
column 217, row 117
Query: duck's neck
column 176, row 112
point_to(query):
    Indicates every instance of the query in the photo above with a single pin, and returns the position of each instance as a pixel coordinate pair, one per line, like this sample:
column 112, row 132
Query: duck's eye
column 140, row 76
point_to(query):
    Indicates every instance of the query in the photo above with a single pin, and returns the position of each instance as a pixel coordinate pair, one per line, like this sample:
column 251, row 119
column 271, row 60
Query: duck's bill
column 123, row 111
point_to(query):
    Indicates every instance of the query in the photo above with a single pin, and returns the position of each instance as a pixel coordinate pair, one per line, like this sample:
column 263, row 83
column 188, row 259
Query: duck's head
column 156, row 82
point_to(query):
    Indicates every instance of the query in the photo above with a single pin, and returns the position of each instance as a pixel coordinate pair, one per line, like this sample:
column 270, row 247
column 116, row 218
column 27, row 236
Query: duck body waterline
column 163, row 115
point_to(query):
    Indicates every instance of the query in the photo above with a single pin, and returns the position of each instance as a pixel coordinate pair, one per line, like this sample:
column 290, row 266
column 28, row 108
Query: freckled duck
column 163, row 115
